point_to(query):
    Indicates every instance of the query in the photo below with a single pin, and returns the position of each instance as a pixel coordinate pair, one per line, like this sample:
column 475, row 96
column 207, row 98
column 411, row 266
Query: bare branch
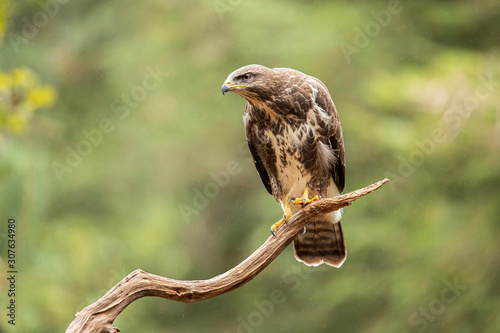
column 99, row 317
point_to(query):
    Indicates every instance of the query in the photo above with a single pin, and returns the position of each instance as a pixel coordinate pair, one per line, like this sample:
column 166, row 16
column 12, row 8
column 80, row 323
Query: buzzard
column 295, row 138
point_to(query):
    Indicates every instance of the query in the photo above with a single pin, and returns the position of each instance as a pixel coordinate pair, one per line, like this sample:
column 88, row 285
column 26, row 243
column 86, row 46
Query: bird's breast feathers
column 297, row 151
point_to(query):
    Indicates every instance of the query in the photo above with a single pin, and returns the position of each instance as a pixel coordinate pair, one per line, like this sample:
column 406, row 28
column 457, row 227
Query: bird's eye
column 246, row 76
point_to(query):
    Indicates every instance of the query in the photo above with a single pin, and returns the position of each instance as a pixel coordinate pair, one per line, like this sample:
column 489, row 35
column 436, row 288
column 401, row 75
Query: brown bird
column 294, row 135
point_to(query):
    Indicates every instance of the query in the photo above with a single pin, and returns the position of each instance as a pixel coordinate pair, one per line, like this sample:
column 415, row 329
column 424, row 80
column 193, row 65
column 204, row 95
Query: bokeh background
column 119, row 152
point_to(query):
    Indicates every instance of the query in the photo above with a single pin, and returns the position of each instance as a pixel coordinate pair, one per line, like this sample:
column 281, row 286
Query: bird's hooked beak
column 227, row 86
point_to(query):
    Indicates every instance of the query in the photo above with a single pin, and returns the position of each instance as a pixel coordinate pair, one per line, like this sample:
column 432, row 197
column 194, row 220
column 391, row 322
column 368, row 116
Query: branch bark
column 99, row 316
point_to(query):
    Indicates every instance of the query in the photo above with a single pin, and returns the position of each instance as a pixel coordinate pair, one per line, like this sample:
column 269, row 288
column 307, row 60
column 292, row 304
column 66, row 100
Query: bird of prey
column 295, row 138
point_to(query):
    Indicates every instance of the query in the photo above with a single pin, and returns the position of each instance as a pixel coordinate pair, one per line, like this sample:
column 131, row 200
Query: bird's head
column 250, row 82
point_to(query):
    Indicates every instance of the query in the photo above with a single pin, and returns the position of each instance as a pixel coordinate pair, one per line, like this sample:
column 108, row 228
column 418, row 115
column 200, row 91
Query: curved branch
column 99, row 316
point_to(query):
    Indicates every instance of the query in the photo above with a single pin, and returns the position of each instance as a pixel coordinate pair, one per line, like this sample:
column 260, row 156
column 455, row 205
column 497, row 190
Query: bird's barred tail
column 322, row 242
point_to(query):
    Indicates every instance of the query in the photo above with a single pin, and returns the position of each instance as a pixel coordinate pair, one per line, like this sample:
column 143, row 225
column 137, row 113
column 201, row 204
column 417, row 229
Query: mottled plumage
column 295, row 138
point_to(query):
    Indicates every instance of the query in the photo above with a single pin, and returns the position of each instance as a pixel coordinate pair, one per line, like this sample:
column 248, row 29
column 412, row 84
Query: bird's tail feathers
column 321, row 242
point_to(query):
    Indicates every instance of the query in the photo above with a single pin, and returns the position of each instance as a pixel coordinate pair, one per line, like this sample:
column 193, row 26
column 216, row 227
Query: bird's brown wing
column 323, row 240
column 261, row 170
column 324, row 100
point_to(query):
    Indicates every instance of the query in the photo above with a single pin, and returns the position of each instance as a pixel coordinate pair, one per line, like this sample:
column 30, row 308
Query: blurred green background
column 118, row 152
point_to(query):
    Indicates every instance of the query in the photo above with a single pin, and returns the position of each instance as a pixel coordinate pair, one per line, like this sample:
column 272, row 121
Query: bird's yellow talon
column 275, row 226
column 305, row 199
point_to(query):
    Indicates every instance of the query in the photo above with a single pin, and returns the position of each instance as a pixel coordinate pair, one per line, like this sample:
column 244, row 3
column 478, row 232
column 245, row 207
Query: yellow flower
column 16, row 123
column 5, row 82
column 41, row 97
column 20, row 96
column 23, row 77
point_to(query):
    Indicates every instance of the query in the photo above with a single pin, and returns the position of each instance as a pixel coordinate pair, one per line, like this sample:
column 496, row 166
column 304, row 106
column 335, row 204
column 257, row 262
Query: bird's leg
column 304, row 200
column 286, row 216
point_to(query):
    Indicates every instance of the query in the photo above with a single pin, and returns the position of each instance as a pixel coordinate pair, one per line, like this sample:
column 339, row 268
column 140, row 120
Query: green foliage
column 114, row 176
column 3, row 16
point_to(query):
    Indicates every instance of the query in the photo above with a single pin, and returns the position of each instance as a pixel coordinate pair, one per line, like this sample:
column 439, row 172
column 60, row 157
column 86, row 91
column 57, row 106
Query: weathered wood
column 99, row 316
